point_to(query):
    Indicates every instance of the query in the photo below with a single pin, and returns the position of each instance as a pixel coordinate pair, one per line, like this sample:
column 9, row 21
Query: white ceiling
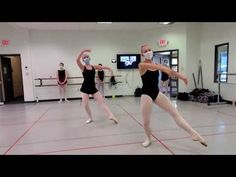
column 89, row 26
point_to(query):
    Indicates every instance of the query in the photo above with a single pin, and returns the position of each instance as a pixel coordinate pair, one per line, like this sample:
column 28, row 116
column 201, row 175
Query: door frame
column 2, row 82
column 170, row 65
column 1, row 74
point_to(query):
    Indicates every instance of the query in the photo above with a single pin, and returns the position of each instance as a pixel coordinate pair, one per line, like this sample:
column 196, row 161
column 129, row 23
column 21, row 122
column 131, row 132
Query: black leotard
column 150, row 83
column 101, row 75
column 62, row 76
column 164, row 76
column 88, row 85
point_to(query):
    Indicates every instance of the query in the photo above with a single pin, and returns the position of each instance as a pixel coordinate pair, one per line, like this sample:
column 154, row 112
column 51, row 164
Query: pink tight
column 163, row 102
column 100, row 100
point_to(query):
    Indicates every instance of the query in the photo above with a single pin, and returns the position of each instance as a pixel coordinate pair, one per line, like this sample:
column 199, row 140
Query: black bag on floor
column 138, row 92
column 195, row 92
column 183, row 96
column 214, row 99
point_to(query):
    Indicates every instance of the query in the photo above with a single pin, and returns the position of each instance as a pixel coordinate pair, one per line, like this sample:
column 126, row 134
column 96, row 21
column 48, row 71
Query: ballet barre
column 219, row 84
column 48, row 85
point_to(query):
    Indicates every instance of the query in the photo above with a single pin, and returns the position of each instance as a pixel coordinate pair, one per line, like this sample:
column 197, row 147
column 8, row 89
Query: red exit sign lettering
column 5, row 42
column 163, row 42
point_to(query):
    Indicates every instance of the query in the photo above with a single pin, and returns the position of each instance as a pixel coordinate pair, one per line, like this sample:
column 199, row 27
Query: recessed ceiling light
column 166, row 23
column 104, row 22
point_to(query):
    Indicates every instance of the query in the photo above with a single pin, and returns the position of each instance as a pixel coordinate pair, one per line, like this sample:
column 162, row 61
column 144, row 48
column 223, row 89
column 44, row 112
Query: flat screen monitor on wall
column 128, row 61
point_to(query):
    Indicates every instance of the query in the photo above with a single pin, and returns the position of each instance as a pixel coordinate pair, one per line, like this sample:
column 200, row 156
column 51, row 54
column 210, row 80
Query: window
column 221, row 62
column 174, row 61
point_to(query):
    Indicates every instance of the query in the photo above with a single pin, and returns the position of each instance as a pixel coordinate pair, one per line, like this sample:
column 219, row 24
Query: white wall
column 211, row 35
column 45, row 49
column 49, row 48
column 64, row 46
column 192, row 53
column 19, row 44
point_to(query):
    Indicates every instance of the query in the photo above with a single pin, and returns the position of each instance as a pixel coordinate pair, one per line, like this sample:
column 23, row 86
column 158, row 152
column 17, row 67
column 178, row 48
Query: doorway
column 171, row 59
column 11, row 82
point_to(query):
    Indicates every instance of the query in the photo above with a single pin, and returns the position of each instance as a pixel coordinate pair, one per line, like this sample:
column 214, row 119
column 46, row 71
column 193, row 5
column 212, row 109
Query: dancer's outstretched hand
column 185, row 80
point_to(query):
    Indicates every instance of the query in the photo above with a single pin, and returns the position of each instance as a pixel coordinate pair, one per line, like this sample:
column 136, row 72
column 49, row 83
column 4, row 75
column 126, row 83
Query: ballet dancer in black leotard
column 88, row 86
column 62, row 82
column 150, row 93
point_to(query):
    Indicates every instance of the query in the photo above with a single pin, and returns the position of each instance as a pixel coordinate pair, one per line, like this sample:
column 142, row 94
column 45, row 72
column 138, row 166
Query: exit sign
column 163, row 42
column 5, row 42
